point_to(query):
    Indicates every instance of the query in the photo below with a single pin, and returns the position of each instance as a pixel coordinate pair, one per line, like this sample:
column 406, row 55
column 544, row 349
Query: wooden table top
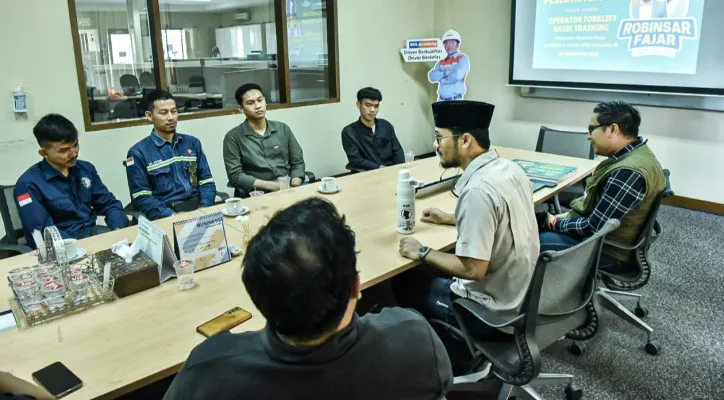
column 128, row 343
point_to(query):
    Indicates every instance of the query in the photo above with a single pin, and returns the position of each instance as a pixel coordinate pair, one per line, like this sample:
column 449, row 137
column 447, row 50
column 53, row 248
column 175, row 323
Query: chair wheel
column 652, row 348
column 578, row 348
column 574, row 393
column 641, row 311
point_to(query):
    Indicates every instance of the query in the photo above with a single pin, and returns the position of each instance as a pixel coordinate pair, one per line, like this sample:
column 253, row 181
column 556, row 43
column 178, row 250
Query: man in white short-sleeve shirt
column 497, row 244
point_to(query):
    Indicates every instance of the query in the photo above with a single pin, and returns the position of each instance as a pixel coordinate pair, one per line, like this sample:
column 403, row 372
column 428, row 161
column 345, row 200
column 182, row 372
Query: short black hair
column 620, row 113
column 300, row 269
column 55, row 128
column 241, row 91
column 369, row 93
column 481, row 135
column 154, row 96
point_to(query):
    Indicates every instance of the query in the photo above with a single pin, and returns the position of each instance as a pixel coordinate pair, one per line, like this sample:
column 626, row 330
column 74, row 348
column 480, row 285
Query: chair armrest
column 310, row 176
column 223, row 196
column 15, row 248
column 494, row 319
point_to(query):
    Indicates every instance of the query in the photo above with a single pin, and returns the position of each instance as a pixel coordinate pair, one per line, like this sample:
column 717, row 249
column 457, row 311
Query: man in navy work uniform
column 62, row 190
column 167, row 171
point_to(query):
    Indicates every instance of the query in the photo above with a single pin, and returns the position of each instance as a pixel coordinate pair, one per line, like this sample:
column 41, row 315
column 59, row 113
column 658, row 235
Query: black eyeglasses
column 592, row 128
column 438, row 137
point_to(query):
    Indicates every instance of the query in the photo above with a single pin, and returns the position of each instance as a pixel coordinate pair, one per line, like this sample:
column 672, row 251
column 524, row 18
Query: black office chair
column 134, row 214
column 309, row 178
column 146, row 80
column 14, row 239
column 638, row 276
column 130, row 84
column 562, row 287
column 565, row 143
column 128, row 109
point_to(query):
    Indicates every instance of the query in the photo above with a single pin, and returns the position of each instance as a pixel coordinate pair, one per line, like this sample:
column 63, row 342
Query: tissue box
column 139, row 275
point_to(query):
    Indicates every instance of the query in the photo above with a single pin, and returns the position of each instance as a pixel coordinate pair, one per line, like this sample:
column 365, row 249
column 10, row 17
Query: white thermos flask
column 406, row 202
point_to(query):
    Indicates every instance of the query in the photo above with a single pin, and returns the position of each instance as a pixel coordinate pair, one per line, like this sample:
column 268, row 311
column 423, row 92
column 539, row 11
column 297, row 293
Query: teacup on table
column 234, row 205
column 71, row 248
column 329, row 184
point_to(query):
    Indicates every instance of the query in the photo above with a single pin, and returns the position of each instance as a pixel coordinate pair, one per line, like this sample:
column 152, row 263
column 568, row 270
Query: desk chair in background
column 562, row 287
column 130, row 84
column 146, row 81
column 14, row 239
column 128, row 109
column 636, row 278
column 565, row 143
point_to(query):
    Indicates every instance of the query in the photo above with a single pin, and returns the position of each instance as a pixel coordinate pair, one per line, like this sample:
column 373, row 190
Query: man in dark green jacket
column 259, row 151
column 624, row 187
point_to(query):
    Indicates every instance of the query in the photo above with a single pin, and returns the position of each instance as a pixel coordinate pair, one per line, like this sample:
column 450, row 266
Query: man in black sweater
column 300, row 271
column 370, row 142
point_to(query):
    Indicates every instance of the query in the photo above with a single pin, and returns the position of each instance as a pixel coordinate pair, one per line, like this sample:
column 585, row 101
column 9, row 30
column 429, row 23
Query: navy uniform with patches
column 161, row 173
column 45, row 198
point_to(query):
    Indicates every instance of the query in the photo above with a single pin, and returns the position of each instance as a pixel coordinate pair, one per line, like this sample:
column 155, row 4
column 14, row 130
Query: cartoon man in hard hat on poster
column 450, row 72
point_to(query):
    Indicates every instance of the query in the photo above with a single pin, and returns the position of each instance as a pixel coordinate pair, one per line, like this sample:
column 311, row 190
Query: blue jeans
column 560, row 241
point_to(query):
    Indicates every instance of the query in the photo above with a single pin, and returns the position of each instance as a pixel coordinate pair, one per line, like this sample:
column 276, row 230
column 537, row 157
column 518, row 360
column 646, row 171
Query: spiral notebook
column 202, row 239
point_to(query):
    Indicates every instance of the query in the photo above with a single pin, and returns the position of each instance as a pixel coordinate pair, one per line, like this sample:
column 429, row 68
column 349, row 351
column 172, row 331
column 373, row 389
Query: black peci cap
column 465, row 114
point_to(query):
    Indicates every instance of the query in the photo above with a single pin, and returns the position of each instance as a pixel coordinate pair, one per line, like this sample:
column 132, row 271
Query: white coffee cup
column 71, row 247
column 234, row 205
column 329, row 184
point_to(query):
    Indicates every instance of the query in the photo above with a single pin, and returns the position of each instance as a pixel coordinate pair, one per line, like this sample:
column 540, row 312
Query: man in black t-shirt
column 300, row 271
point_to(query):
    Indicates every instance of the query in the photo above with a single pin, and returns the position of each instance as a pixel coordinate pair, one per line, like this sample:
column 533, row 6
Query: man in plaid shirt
column 623, row 187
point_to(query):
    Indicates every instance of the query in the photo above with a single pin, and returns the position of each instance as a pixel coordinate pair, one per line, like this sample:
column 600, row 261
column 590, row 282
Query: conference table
column 130, row 342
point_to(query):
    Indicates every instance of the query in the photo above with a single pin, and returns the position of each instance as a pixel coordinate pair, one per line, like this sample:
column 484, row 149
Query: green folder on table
column 544, row 174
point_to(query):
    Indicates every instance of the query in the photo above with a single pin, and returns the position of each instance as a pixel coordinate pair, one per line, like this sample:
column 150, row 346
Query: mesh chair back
column 565, row 143
column 11, row 216
column 648, row 229
column 569, row 281
column 129, row 83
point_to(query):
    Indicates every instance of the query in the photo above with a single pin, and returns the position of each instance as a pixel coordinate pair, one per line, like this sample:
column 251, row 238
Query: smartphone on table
column 224, row 322
column 57, row 379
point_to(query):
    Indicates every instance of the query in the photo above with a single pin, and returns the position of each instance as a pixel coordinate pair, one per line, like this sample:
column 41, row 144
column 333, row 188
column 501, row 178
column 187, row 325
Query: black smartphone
column 57, row 379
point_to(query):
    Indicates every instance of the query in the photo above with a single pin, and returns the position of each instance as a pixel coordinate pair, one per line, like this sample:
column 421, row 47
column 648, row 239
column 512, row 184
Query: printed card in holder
column 202, row 239
column 153, row 241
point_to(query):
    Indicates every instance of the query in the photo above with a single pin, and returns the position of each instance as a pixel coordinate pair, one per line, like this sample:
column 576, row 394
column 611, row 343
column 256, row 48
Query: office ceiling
column 172, row 5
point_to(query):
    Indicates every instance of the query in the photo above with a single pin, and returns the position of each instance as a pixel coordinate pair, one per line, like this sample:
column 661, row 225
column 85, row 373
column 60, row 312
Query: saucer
column 320, row 189
column 79, row 254
column 244, row 210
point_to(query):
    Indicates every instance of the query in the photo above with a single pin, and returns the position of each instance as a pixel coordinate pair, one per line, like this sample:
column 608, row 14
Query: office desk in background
column 131, row 342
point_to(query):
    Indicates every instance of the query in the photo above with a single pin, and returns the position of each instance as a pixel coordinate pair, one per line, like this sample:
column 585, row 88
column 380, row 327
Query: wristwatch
column 423, row 252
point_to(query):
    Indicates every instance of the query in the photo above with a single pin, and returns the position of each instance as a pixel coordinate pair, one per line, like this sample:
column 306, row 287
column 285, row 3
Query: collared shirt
column 160, row 172
column 367, row 150
column 391, row 355
column 249, row 156
column 624, row 190
column 496, row 222
column 45, row 197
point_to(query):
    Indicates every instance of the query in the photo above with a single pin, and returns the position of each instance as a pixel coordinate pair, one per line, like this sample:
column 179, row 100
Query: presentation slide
column 658, row 36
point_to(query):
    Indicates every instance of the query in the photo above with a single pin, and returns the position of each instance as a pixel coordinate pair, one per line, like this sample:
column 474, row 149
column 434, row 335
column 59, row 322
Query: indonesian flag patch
column 24, row 199
column 129, row 161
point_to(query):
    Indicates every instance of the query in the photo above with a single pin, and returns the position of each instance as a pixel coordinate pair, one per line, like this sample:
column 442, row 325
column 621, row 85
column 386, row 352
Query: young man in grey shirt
column 259, row 151
column 497, row 244
column 300, row 271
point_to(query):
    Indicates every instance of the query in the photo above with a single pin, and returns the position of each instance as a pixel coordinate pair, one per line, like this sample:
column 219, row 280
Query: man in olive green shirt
column 259, row 151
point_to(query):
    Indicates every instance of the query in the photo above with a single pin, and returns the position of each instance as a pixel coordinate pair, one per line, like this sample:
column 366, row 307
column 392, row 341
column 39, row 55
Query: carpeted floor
column 685, row 298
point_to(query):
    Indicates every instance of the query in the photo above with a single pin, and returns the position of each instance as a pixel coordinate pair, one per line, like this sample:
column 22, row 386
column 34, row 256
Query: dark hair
column 369, row 93
column 300, row 269
column 622, row 114
column 241, row 91
column 154, row 96
column 481, row 135
column 55, row 128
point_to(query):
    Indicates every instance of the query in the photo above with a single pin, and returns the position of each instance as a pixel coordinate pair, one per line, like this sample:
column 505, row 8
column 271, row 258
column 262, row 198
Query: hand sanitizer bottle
column 19, row 103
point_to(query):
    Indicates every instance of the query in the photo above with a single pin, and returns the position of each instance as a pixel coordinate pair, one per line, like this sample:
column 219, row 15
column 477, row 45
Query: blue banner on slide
column 618, row 35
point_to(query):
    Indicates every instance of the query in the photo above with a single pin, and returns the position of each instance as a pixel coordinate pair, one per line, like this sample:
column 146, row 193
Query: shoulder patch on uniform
column 129, row 161
column 24, row 199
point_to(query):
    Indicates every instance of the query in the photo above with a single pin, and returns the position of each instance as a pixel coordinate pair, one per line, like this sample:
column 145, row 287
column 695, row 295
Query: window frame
column 159, row 63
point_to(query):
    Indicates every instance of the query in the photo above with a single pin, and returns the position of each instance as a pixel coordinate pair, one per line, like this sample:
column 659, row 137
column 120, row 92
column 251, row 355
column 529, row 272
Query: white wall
column 42, row 59
column 690, row 143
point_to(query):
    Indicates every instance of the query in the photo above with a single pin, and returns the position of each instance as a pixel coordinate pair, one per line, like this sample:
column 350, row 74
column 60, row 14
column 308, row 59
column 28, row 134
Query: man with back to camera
column 370, row 142
column 451, row 71
column 259, row 151
column 62, row 190
column 497, row 246
column 300, row 271
column 624, row 187
column 167, row 171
